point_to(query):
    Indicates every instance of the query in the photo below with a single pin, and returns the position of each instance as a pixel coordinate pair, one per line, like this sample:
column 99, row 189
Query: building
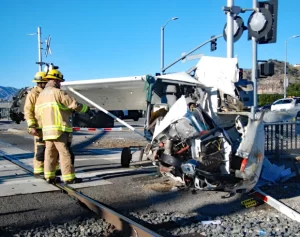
column 4, row 109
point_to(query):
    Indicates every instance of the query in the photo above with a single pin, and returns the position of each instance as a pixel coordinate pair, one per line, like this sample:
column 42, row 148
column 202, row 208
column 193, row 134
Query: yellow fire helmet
column 54, row 74
column 40, row 77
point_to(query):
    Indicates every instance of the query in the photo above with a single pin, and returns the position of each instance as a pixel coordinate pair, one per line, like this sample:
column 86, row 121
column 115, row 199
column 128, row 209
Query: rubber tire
column 136, row 118
column 135, row 115
column 126, row 157
column 121, row 115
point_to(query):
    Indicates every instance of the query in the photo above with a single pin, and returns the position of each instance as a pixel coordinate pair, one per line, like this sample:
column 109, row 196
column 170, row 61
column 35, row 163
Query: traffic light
column 267, row 69
column 213, row 44
column 262, row 25
column 241, row 73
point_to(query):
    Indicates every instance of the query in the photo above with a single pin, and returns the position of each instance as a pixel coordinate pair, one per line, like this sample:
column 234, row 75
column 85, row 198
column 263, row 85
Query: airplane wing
column 124, row 93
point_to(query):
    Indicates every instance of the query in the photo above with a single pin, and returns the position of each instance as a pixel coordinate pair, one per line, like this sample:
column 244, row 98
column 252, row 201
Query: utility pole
column 39, row 32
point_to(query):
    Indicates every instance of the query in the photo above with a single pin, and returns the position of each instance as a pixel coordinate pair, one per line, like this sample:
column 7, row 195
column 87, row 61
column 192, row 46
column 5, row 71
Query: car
column 285, row 104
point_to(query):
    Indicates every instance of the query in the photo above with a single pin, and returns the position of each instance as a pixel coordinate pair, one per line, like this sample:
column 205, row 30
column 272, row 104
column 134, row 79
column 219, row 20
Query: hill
column 274, row 84
column 269, row 85
column 6, row 93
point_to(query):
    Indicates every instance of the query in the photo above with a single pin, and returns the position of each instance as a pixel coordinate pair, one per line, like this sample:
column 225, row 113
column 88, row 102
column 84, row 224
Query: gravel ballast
column 261, row 220
column 252, row 223
column 81, row 227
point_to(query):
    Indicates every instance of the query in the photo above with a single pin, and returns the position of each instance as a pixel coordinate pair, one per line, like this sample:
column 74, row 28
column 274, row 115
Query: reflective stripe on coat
column 29, row 107
column 53, row 111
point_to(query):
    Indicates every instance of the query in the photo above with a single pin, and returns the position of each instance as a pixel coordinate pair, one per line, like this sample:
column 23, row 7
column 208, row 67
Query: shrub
column 293, row 90
column 264, row 99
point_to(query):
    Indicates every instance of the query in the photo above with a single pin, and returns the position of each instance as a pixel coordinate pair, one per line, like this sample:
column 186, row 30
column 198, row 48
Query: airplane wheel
column 126, row 157
column 135, row 115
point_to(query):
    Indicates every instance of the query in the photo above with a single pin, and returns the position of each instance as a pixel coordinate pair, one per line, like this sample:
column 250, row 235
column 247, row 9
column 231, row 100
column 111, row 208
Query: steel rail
column 126, row 226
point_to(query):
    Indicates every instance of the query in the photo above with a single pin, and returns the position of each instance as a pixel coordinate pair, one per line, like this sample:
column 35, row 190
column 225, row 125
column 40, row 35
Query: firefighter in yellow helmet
column 54, row 108
column 33, row 126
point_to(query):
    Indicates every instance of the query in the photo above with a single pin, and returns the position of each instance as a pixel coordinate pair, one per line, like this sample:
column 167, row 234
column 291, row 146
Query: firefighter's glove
column 33, row 132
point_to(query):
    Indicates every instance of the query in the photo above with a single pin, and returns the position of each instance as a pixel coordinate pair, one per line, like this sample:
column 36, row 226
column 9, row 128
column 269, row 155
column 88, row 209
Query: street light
column 162, row 43
column 285, row 81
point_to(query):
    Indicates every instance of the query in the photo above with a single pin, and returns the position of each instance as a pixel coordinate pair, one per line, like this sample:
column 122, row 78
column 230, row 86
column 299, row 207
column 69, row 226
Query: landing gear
column 126, row 157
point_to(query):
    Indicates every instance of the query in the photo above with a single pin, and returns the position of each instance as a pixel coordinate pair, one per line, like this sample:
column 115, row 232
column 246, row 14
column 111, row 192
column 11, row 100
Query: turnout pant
column 59, row 147
column 39, row 154
column 70, row 148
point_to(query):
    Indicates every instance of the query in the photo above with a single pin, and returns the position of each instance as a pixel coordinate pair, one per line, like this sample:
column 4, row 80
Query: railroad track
column 124, row 225
column 128, row 227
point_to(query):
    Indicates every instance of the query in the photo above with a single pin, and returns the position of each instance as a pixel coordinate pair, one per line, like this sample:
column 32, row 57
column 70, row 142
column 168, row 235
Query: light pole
column 162, row 43
column 285, row 81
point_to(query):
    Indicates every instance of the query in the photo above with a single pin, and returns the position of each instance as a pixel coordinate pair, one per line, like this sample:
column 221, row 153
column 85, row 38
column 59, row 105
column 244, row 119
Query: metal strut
column 279, row 206
column 105, row 111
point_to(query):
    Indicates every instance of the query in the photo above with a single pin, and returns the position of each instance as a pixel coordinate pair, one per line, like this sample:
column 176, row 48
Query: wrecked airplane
column 197, row 122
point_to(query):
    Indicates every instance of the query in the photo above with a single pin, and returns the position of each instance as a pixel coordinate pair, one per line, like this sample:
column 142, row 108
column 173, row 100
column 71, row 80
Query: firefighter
column 33, row 127
column 54, row 108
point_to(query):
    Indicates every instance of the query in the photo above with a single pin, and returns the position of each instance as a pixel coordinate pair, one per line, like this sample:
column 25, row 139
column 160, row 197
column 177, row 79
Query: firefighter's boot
column 74, row 181
column 53, row 180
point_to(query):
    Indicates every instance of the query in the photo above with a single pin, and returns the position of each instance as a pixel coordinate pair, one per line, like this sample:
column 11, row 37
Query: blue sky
column 114, row 38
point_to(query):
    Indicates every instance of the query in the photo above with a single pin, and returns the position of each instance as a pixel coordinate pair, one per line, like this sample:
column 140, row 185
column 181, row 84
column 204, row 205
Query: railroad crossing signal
column 262, row 25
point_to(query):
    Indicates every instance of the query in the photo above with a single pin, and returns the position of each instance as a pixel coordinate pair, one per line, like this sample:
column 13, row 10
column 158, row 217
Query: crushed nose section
column 195, row 141
column 251, row 149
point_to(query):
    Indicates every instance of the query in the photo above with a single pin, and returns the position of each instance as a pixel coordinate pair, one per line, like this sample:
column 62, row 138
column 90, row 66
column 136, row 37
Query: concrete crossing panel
column 15, row 180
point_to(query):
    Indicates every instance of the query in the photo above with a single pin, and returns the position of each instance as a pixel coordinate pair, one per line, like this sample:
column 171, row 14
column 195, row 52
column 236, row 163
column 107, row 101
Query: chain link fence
column 282, row 140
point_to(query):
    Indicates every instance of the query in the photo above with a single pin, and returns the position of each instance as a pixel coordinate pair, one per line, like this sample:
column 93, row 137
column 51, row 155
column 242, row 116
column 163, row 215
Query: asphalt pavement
column 140, row 191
